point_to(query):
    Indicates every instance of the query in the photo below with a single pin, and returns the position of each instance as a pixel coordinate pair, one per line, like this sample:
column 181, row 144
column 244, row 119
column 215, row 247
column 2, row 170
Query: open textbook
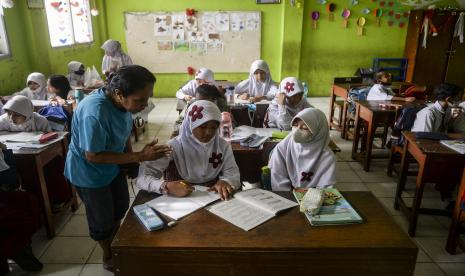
column 250, row 208
column 179, row 207
column 457, row 145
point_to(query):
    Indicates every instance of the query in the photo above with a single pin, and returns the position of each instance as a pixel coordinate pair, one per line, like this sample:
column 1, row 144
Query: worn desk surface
column 204, row 244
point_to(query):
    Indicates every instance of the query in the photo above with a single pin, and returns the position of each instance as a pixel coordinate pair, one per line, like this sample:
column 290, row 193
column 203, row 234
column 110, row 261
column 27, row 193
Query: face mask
column 201, row 143
column 301, row 135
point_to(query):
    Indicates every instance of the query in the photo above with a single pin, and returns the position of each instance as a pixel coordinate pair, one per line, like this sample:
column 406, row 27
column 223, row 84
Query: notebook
column 179, row 207
column 337, row 214
column 431, row 135
column 457, row 145
column 250, row 208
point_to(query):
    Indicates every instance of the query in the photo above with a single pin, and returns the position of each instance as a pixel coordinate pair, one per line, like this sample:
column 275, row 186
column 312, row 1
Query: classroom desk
column 240, row 114
column 436, row 163
column 31, row 163
column 458, row 218
column 374, row 113
column 204, row 244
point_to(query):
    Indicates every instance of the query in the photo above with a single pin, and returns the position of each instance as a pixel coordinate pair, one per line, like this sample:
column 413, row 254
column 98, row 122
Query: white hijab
column 41, row 92
column 206, row 75
column 23, row 105
column 251, row 85
column 292, row 86
column 301, row 159
column 118, row 58
column 193, row 160
column 74, row 78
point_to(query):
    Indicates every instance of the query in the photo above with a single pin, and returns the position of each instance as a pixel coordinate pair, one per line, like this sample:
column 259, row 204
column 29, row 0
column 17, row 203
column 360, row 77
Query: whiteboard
column 221, row 41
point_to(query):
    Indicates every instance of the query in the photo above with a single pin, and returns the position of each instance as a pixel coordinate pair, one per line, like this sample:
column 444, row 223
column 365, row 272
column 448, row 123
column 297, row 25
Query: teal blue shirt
column 97, row 126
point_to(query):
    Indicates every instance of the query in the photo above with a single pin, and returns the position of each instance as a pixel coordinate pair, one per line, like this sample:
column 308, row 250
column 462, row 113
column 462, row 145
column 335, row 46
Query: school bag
column 59, row 119
column 357, row 94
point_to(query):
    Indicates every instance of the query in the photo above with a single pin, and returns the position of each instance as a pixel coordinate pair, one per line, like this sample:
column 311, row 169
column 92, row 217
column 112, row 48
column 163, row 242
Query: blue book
column 148, row 217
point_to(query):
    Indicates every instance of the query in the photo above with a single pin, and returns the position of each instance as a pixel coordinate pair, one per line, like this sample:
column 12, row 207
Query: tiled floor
column 72, row 252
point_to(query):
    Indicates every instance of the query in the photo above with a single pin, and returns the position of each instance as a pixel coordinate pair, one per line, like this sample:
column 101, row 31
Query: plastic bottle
column 305, row 85
column 266, row 178
column 226, row 126
column 230, row 95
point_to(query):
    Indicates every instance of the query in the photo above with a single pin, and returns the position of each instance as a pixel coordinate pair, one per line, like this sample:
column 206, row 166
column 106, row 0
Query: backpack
column 357, row 94
column 404, row 122
column 59, row 119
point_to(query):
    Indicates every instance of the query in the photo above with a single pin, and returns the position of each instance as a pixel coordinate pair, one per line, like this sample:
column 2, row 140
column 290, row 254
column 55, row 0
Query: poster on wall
column 252, row 22
column 209, row 23
column 162, row 24
column 237, row 21
column 222, row 22
column 178, row 26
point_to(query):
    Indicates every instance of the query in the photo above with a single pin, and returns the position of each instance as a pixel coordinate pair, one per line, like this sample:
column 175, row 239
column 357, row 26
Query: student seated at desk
column 187, row 92
column 20, row 116
column 259, row 86
column 114, row 57
column 59, row 90
column 303, row 159
column 287, row 104
column 19, row 219
column 36, row 87
column 382, row 92
column 440, row 116
column 199, row 157
column 76, row 72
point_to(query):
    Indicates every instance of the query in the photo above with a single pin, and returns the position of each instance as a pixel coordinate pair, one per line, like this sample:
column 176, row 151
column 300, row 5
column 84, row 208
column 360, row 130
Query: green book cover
column 341, row 212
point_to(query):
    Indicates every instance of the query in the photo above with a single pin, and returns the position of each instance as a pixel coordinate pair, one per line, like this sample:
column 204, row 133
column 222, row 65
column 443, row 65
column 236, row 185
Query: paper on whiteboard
column 252, row 22
column 222, row 22
column 178, row 26
column 165, row 45
column 191, row 23
column 237, row 21
column 208, row 23
column 162, row 24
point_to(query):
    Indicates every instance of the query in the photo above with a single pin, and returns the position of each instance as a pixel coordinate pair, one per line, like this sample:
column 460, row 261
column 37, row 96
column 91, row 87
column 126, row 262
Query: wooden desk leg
column 371, row 129
column 402, row 175
column 453, row 237
column 49, row 223
column 331, row 107
column 356, row 131
column 417, row 199
column 343, row 121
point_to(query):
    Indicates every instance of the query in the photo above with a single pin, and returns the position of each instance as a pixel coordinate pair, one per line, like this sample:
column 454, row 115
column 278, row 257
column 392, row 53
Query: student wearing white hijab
column 20, row 116
column 76, row 72
column 287, row 104
column 303, row 159
column 259, row 85
column 36, row 87
column 187, row 92
column 114, row 57
column 200, row 156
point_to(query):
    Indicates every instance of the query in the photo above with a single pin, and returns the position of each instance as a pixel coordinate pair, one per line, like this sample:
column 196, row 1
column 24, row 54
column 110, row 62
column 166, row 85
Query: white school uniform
column 280, row 116
column 189, row 88
column 379, row 92
column 22, row 105
column 304, row 165
column 118, row 58
column 255, row 88
column 38, row 94
column 196, row 162
column 430, row 119
column 74, row 79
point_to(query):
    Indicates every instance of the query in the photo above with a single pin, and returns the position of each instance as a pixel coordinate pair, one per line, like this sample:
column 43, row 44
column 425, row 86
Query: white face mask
column 301, row 135
column 201, row 143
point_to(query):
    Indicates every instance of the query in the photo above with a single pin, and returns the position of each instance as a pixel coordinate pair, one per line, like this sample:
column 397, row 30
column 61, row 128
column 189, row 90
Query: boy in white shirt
column 382, row 92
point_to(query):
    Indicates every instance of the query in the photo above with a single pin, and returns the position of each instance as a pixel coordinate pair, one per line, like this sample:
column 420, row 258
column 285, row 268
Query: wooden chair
column 457, row 224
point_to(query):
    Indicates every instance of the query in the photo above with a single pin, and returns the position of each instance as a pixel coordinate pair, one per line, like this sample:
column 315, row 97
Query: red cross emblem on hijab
column 289, row 86
column 306, row 176
column 216, row 159
column 196, row 113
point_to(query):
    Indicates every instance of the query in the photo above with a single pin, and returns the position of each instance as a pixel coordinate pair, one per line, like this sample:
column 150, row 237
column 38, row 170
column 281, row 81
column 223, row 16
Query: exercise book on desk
column 457, row 145
column 250, row 208
column 179, row 207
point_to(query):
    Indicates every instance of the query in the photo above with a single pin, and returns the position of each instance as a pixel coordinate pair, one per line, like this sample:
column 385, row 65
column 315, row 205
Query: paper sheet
column 252, row 22
column 266, row 200
column 178, row 26
column 237, row 21
column 244, row 131
column 208, row 23
column 222, row 22
column 162, row 24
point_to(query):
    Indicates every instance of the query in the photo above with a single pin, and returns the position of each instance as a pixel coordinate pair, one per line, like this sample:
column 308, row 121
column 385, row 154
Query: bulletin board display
column 169, row 42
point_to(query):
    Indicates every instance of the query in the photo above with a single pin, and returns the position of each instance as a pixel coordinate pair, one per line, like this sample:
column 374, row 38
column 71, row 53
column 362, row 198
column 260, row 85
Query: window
column 4, row 50
column 69, row 22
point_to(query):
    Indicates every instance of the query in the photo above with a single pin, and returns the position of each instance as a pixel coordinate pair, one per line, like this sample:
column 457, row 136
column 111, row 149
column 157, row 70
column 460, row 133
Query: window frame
column 8, row 46
column 75, row 44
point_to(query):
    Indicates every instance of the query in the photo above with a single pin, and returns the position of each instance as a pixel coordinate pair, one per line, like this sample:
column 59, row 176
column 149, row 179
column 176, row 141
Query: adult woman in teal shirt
column 100, row 142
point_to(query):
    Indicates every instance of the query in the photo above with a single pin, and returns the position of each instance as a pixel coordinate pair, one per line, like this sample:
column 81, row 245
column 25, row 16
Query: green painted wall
column 167, row 84
column 31, row 51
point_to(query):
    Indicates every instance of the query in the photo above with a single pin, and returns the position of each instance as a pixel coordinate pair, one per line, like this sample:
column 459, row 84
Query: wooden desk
column 31, row 163
column 240, row 114
column 436, row 163
column 204, row 244
column 374, row 114
column 251, row 160
column 458, row 218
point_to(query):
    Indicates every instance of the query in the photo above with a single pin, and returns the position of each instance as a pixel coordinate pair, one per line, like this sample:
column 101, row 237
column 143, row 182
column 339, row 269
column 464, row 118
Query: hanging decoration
column 331, row 7
column 458, row 31
column 191, row 71
column 418, row 4
column 360, row 24
column 354, row 2
column 345, row 15
column 366, row 11
column 7, row 4
column 428, row 27
column 94, row 11
column 315, row 17
column 395, row 13
column 378, row 13
column 322, row 2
